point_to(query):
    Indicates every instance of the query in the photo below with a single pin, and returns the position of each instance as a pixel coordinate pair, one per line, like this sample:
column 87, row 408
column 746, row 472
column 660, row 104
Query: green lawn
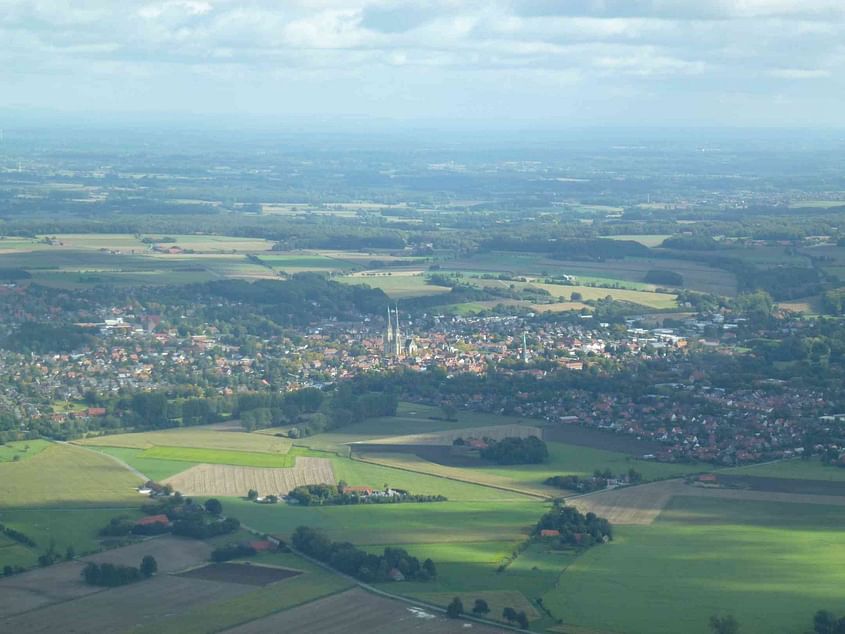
column 154, row 468
column 22, row 449
column 772, row 565
column 225, row 456
column 448, row 522
column 76, row 527
column 795, row 469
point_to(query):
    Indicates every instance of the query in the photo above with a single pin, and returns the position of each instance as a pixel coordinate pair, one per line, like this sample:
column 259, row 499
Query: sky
column 776, row 63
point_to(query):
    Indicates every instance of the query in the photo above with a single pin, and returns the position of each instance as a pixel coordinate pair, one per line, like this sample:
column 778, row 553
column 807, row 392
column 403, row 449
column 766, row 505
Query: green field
column 563, row 460
column 796, row 469
column 315, row 583
column 66, row 475
column 644, row 298
column 63, row 526
column 436, row 522
column 202, row 438
column 649, row 240
column 298, row 262
column 22, row 449
column 225, row 456
column 772, row 565
column 155, row 469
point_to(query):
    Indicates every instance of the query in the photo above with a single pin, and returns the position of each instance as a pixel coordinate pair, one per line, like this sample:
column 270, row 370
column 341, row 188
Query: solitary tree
column 522, row 619
column 252, row 494
column 455, row 608
column 213, row 506
column 149, row 566
column 824, row 622
column 724, row 624
column 480, row 607
column 509, row 614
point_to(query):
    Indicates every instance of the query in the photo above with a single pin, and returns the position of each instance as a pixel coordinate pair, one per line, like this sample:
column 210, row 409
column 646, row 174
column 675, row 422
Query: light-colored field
column 189, row 437
column 632, row 505
column 296, row 262
column 696, row 276
column 448, row 437
column 644, row 298
column 649, row 240
column 226, row 480
column 396, row 284
column 359, row 611
column 64, row 474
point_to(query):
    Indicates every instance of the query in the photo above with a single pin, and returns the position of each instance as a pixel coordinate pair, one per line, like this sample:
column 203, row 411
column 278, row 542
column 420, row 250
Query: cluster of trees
column 46, row 338
column 330, row 494
column 833, row 301
column 358, row 563
column 660, row 276
column 17, row 536
column 596, row 482
column 515, row 450
column 113, row 575
column 263, row 409
column 825, row 622
column 480, row 608
column 232, row 551
column 348, row 405
column 576, row 528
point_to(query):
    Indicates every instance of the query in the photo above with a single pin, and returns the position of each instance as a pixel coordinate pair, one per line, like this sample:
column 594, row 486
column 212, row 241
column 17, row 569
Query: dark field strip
column 246, row 574
column 784, row 485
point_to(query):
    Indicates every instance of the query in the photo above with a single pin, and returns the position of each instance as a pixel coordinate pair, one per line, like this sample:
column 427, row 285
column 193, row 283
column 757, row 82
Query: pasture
column 66, row 475
column 658, row 301
column 772, row 565
column 224, row 456
column 797, row 468
column 22, row 449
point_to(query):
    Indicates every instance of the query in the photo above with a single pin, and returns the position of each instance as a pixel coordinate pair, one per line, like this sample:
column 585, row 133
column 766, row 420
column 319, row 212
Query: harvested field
column 247, row 574
column 496, row 432
column 640, row 505
column 61, row 582
column 227, row 480
column 119, row 609
column 633, row 505
column 359, row 611
column 784, row 485
column 205, row 438
column 599, row 439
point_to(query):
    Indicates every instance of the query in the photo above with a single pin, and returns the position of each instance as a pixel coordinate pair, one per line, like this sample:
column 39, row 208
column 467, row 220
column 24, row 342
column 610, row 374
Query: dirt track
column 359, row 611
column 232, row 481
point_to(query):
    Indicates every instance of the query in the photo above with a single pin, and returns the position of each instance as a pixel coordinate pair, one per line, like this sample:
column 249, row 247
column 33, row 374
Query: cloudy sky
column 560, row 62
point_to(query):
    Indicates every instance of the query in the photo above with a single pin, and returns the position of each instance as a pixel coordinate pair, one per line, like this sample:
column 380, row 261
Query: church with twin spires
column 395, row 347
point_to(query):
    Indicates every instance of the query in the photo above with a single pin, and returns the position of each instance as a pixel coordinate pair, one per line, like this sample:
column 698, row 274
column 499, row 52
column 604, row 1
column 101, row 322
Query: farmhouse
column 360, row 490
column 549, row 532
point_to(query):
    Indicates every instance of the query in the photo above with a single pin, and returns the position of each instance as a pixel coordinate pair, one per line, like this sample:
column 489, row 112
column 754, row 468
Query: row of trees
column 358, row 563
column 480, row 608
column 113, row 575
